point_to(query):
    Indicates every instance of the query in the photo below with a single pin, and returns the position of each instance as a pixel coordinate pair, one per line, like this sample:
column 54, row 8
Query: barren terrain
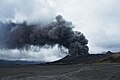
column 61, row 72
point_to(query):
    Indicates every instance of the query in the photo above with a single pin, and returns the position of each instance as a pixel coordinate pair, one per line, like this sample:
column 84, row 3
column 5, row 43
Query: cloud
column 29, row 10
column 35, row 53
column 97, row 19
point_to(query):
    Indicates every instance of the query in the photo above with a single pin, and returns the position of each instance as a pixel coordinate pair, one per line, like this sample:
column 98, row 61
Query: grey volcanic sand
column 61, row 72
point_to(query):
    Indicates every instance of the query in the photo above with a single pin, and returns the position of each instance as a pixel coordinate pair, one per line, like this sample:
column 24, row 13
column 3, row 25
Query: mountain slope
column 91, row 58
column 113, row 58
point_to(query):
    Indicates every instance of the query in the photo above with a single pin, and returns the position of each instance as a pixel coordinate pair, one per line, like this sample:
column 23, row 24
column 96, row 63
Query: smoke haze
column 22, row 36
column 98, row 20
column 32, row 11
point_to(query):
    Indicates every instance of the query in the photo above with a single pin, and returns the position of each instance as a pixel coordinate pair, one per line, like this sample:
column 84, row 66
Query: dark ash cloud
column 58, row 32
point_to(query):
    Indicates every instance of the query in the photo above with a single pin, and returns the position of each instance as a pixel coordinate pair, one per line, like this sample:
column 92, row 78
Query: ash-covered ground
column 61, row 72
column 88, row 67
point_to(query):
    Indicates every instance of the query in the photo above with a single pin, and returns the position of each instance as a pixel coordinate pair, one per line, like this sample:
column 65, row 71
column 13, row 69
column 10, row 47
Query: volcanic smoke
column 23, row 35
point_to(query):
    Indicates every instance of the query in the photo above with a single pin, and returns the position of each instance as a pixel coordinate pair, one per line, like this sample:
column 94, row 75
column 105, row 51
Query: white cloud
column 35, row 53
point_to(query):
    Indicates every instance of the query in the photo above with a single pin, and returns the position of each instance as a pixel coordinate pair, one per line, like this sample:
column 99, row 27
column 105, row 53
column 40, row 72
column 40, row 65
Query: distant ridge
column 17, row 62
column 113, row 58
column 90, row 58
column 80, row 59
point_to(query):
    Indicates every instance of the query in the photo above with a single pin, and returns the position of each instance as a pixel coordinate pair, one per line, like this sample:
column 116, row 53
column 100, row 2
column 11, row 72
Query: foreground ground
column 61, row 72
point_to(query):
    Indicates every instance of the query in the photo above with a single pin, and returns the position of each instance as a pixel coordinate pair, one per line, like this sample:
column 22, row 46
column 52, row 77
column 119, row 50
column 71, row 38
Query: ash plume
column 59, row 32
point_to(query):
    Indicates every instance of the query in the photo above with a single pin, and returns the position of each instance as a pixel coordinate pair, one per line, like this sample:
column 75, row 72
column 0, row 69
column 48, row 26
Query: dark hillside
column 90, row 58
column 113, row 58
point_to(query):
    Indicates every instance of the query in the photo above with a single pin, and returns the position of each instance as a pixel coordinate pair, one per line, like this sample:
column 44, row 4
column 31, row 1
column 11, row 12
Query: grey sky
column 99, row 20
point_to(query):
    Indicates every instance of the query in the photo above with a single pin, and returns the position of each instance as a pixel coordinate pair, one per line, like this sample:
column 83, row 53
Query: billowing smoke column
column 57, row 32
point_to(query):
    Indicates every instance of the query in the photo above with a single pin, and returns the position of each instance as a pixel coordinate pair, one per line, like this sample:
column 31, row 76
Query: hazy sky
column 98, row 20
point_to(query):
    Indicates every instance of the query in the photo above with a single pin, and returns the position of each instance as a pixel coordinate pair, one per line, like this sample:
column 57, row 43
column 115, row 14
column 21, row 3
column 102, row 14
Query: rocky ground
column 109, row 71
